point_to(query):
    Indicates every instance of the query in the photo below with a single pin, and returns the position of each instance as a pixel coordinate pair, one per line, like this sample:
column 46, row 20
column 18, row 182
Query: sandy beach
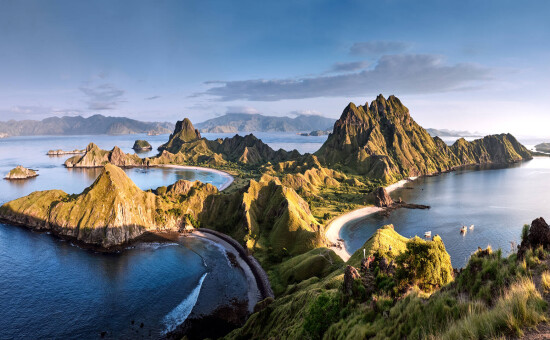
column 333, row 230
column 219, row 172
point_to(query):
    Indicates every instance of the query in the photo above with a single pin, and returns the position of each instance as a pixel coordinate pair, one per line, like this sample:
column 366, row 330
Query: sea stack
column 20, row 172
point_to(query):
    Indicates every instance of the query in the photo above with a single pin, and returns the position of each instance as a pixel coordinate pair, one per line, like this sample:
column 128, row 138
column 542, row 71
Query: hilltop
column 78, row 125
column 245, row 122
column 382, row 140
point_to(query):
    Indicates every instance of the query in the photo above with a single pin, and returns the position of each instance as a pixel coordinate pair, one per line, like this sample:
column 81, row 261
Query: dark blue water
column 53, row 290
column 497, row 202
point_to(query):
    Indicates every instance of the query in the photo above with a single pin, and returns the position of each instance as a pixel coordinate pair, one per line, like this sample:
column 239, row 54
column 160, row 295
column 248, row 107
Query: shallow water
column 52, row 289
column 498, row 202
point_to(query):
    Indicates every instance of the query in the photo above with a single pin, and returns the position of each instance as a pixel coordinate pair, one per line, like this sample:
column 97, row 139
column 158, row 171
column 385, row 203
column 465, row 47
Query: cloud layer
column 349, row 67
column 402, row 74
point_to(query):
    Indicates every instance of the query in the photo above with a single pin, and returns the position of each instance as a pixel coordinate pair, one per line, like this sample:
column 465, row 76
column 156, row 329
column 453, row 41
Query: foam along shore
column 219, row 172
column 333, row 230
column 255, row 275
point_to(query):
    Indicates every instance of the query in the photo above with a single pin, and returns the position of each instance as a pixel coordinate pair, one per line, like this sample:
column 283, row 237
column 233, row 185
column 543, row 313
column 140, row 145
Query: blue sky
column 476, row 65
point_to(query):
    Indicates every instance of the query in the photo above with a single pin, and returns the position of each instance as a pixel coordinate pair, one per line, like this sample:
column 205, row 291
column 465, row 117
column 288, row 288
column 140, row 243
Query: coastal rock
column 4, row 135
column 382, row 198
column 142, row 145
column 20, row 172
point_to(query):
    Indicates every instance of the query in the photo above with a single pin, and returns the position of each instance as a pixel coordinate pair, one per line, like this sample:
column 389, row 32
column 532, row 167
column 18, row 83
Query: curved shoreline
column 256, row 273
column 332, row 232
column 222, row 187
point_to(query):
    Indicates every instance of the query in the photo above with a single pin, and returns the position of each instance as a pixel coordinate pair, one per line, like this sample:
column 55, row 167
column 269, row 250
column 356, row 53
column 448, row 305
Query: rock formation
column 142, row 145
column 60, row 152
column 94, row 157
column 538, row 235
column 20, row 172
column 381, row 140
column 382, row 198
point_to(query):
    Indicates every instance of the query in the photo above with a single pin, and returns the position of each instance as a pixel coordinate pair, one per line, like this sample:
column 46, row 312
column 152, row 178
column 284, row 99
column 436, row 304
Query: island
column 543, row 147
column 142, row 145
column 20, row 172
column 60, row 152
column 4, row 135
column 281, row 210
column 316, row 133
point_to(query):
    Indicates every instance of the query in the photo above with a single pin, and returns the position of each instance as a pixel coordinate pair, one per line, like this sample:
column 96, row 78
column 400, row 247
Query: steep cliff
column 381, row 140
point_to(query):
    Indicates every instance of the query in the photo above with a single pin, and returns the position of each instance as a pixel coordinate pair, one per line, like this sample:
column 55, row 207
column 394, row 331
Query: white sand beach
column 219, row 172
column 333, row 230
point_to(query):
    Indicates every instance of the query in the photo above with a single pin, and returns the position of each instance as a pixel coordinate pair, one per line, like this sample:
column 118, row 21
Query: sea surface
column 498, row 201
column 51, row 289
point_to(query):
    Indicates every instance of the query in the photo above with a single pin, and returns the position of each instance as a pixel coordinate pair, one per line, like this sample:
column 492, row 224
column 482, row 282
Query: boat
column 464, row 229
column 472, row 227
column 428, row 234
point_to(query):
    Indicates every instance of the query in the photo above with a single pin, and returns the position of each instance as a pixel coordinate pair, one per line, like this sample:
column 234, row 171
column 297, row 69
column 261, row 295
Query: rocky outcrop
column 538, row 235
column 20, row 172
column 350, row 275
column 142, row 145
column 186, row 146
column 111, row 212
column 382, row 198
column 382, row 141
column 94, row 157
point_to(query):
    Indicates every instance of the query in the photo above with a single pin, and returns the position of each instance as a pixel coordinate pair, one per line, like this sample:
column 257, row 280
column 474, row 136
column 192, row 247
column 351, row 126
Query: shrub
column 321, row 314
column 545, row 281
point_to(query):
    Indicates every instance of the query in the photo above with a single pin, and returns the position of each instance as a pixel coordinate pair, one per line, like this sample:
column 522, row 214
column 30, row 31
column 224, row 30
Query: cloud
column 400, row 74
column 152, row 98
column 306, row 113
column 242, row 109
column 378, row 47
column 348, row 67
column 103, row 96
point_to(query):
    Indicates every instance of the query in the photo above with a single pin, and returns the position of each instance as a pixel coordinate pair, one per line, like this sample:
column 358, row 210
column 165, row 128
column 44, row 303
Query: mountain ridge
column 248, row 122
column 78, row 125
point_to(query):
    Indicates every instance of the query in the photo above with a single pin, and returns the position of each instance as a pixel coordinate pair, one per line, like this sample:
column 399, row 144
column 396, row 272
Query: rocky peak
column 186, row 131
column 91, row 146
column 112, row 179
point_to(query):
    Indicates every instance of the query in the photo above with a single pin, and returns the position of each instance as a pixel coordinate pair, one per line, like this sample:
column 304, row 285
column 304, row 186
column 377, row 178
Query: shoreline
column 224, row 174
column 333, row 229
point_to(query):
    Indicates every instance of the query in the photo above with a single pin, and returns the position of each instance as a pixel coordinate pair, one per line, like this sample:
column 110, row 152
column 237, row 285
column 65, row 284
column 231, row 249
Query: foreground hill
column 244, row 122
column 94, row 125
column 383, row 141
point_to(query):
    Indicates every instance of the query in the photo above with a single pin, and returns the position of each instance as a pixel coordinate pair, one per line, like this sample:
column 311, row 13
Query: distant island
column 94, row 125
column 543, row 147
column 245, row 122
column 316, row 133
column 20, row 172
column 142, row 145
column 452, row 133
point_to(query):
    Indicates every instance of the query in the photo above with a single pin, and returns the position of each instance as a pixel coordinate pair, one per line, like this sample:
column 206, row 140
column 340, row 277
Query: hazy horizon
column 460, row 66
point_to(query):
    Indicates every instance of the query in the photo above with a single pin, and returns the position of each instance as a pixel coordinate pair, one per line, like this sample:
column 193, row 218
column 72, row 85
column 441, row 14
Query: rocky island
column 60, row 152
column 20, row 172
column 142, row 145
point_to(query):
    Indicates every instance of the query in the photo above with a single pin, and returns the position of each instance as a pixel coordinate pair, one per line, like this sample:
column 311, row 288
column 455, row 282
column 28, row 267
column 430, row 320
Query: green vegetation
column 20, row 172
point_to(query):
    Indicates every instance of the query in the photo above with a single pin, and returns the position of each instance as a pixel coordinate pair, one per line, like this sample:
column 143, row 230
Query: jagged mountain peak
column 186, row 131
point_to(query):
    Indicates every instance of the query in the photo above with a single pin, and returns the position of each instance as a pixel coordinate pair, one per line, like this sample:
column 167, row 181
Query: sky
column 465, row 65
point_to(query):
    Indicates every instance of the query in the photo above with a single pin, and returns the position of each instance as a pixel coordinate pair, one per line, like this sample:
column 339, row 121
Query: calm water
column 52, row 289
column 498, row 202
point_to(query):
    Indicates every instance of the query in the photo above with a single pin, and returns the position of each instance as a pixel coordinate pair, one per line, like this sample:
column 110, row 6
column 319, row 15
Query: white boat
column 428, row 234
column 464, row 229
column 472, row 227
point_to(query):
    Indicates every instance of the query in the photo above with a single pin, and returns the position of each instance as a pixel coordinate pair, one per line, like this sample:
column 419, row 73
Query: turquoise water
column 497, row 201
column 52, row 289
